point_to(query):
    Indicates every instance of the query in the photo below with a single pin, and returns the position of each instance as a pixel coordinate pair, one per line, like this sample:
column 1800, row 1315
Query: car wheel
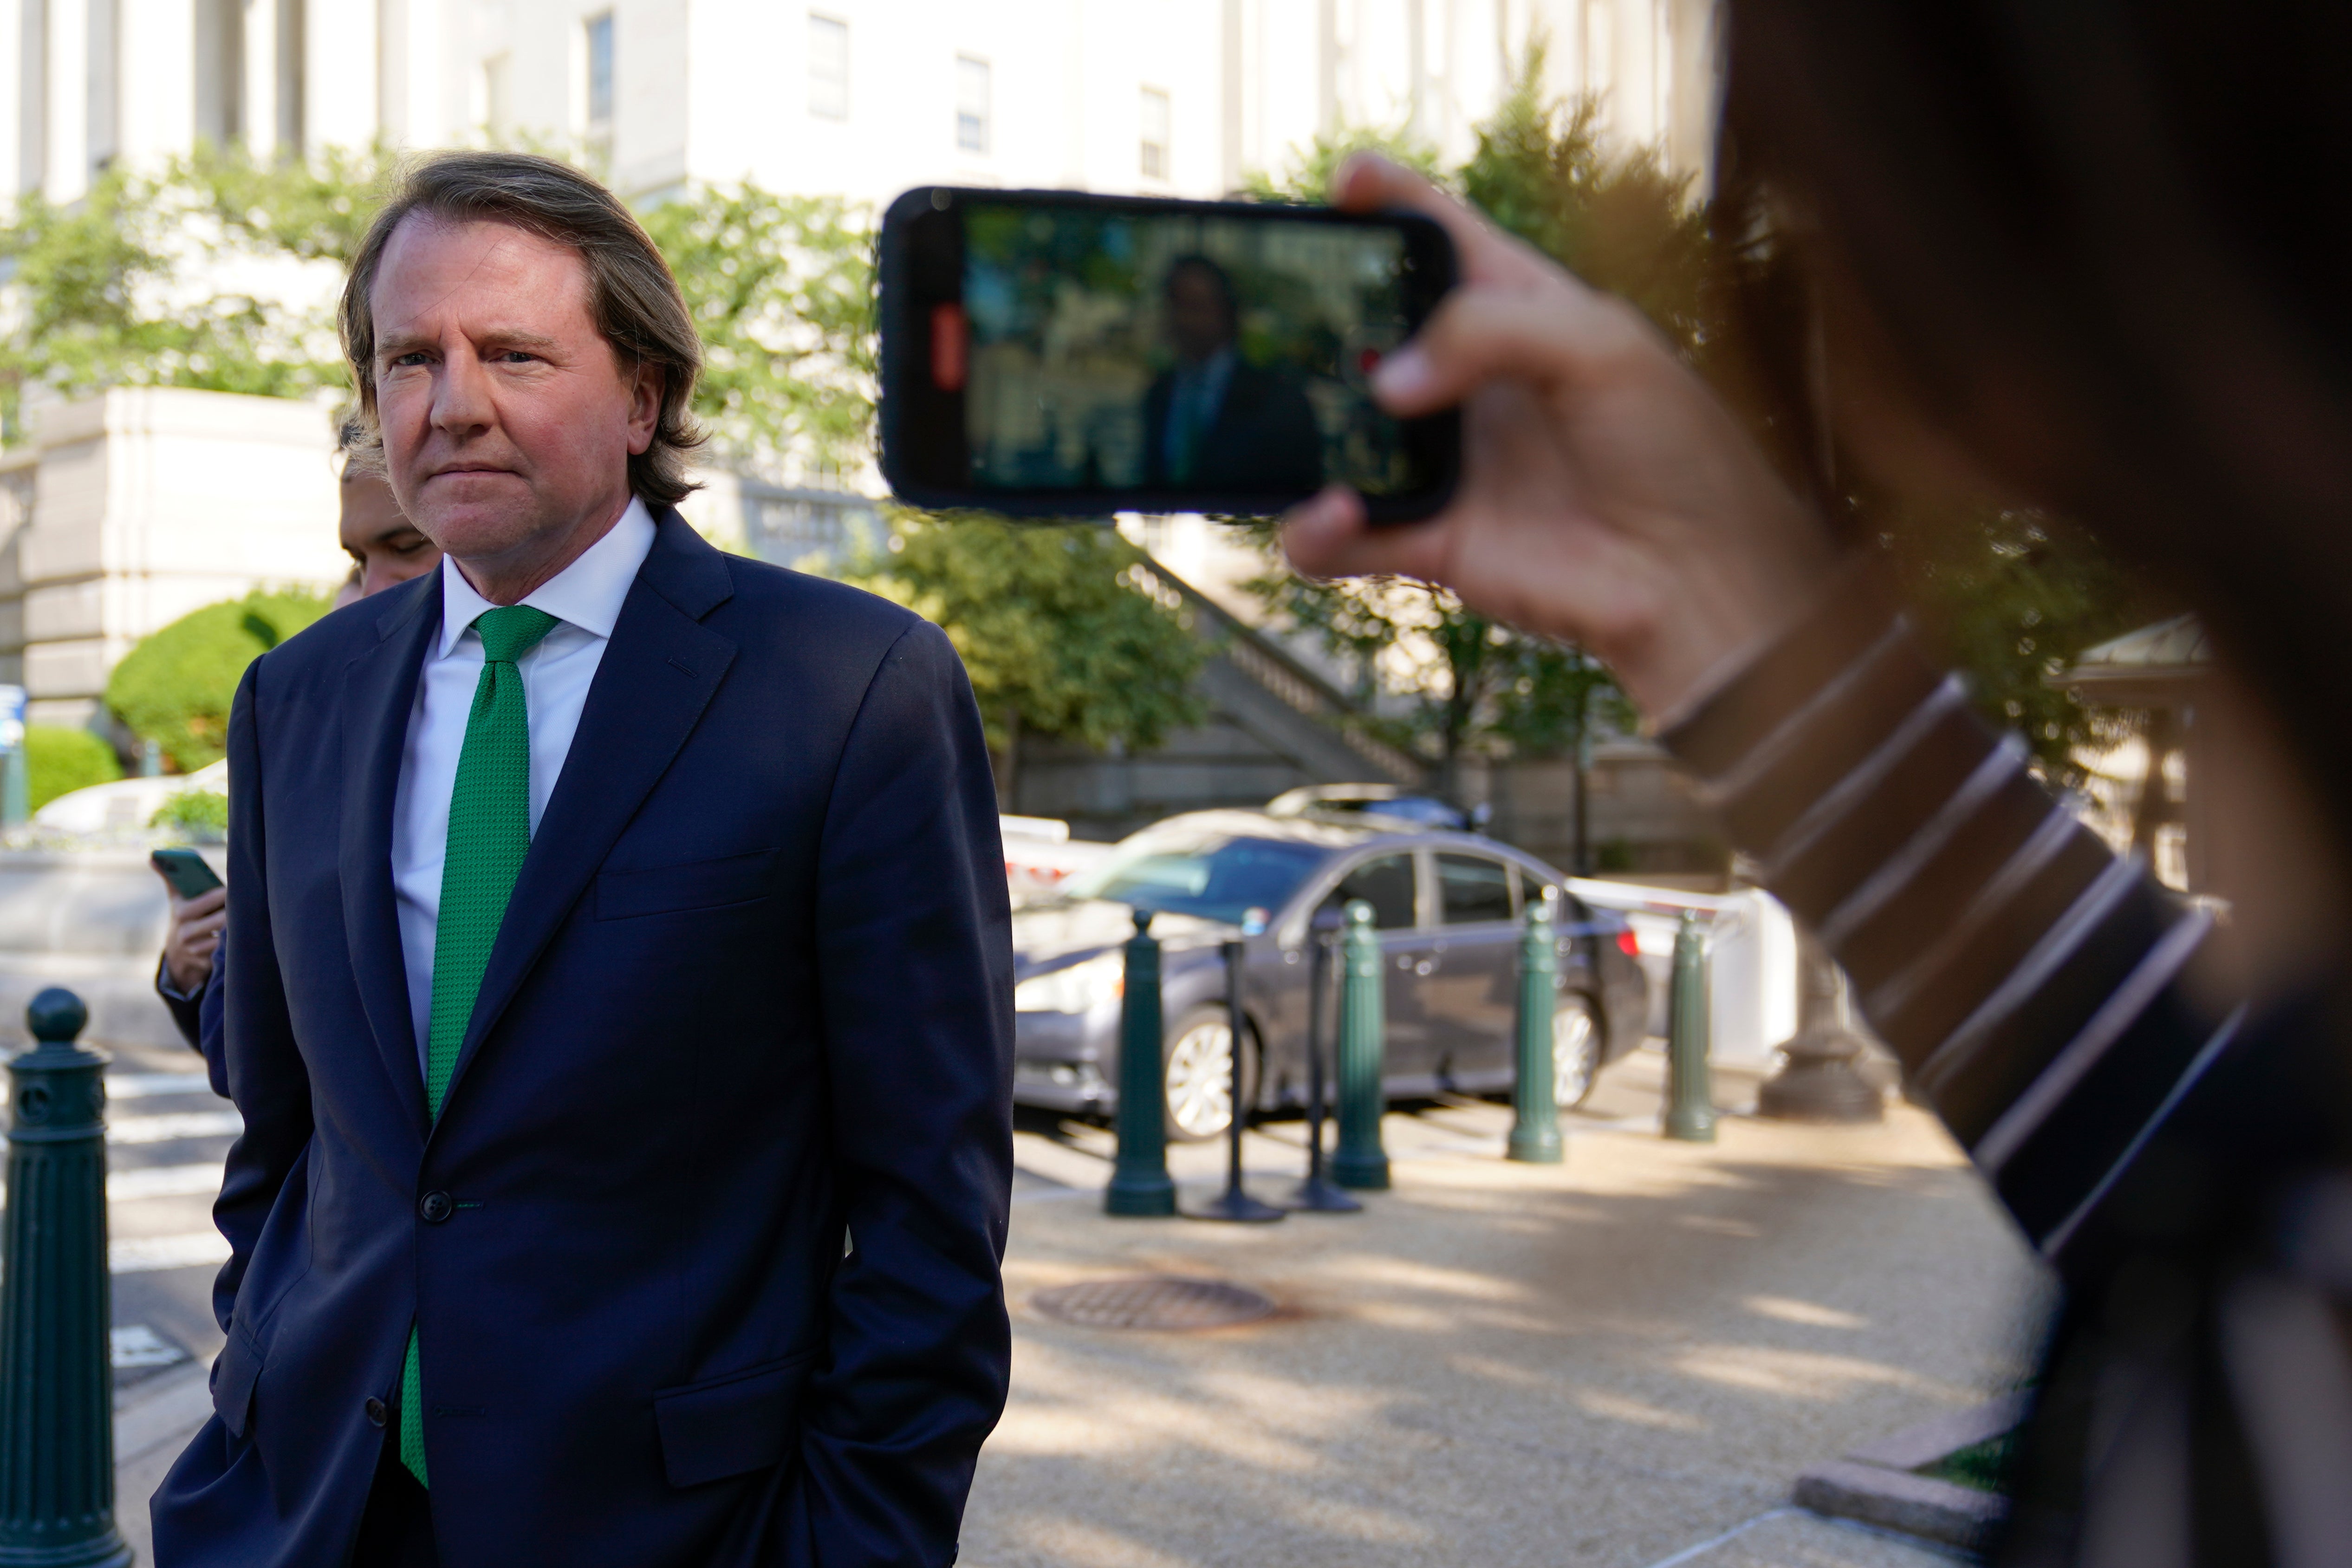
column 1575, row 1052
column 1199, row 1080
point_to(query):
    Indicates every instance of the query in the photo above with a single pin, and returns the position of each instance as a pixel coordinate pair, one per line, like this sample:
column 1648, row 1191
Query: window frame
column 1165, row 147
column 818, row 22
column 969, row 68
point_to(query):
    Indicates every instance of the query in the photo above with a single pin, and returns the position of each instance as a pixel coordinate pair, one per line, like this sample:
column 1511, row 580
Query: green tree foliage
column 1059, row 634
column 59, row 761
column 215, row 273
column 199, row 816
column 782, row 291
column 174, row 688
column 2013, row 596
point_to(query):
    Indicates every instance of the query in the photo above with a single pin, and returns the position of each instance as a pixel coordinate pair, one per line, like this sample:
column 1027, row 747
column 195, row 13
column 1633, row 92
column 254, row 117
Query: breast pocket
column 689, row 885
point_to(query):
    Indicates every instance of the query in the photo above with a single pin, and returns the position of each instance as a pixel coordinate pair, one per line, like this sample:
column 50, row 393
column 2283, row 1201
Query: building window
column 1155, row 135
column 972, row 104
column 498, row 104
column 292, row 75
column 105, row 61
column 220, row 72
column 828, row 50
column 599, row 33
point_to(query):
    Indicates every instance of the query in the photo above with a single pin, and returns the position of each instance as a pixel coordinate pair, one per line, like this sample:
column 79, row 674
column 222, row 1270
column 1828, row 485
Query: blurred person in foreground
column 385, row 549
column 2088, row 258
column 618, row 989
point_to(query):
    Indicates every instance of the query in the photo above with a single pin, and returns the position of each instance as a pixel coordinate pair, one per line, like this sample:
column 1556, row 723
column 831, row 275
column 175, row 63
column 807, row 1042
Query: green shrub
column 199, row 814
column 174, row 688
column 59, row 760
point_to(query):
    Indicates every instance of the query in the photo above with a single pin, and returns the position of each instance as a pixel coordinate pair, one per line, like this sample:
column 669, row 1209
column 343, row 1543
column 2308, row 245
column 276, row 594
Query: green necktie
column 490, row 832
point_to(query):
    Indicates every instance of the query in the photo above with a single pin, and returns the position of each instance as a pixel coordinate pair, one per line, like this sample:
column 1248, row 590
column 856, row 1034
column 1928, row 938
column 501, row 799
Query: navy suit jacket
column 753, row 995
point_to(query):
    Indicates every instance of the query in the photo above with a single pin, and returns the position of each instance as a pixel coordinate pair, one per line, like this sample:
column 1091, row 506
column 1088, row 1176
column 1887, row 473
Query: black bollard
column 1690, row 1090
column 1233, row 1203
column 1359, row 1162
column 1817, row 1082
column 1535, row 1087
column 1317, row 1195
column 1139, row 1184
column 56, row 1376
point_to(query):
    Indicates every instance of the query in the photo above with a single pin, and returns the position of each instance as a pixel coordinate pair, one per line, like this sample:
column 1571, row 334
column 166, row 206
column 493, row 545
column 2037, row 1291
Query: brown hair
column 632, row 296
column 2100, row 247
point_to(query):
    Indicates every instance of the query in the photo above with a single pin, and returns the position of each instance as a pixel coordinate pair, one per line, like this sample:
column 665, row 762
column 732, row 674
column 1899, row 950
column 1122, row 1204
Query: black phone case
column 176, row 867
column 906, row 390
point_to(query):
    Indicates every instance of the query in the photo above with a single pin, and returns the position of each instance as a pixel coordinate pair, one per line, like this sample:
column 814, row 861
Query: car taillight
column 1627, row 943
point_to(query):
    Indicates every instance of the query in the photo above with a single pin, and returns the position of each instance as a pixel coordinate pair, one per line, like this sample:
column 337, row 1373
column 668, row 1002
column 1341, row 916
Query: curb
column 1876, row 1484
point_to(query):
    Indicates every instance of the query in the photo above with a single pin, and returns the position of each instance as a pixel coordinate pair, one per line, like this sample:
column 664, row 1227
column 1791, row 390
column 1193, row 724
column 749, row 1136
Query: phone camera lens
column 939, row 201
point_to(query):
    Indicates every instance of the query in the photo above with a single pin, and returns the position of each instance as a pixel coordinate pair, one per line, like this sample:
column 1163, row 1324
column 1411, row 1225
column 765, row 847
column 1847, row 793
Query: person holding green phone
column 385, row 551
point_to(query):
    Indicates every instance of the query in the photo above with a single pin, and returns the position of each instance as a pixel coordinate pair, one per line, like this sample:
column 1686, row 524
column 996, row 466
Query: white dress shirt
column 585, row 599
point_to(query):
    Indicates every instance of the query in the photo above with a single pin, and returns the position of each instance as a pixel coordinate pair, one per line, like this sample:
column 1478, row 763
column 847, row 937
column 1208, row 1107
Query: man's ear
column 645, row 406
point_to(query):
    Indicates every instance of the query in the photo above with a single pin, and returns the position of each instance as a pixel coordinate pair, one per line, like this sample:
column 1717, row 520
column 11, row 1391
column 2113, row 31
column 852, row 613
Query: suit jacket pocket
column 233, row 1371
column 690, row 885
column 725, row 1425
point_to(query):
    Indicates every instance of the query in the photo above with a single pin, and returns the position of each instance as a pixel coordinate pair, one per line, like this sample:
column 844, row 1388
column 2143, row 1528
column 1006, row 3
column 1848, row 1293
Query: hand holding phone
column 1046, row 353
column 187, row 871
column 1608, row 498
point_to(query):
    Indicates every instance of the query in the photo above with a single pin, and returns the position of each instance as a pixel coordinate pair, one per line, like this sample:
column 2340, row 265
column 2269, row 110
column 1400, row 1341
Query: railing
column 1289, row 681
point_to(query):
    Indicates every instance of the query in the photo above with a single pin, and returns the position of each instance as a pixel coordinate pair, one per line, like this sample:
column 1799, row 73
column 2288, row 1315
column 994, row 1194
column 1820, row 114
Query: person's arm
column 916, row 968
column 190, row 944
column 2029, row 980
column 264, row 1072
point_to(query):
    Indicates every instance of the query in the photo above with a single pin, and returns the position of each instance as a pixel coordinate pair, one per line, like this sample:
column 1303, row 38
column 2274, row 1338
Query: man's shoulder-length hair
column 632, row 296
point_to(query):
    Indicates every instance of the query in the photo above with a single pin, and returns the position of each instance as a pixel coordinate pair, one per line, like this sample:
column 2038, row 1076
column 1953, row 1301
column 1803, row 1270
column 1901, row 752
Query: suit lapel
column 379, row 692
column 657, row 675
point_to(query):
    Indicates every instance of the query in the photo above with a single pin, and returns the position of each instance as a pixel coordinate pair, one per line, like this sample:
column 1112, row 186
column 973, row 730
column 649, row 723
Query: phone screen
column 1081, row 352
column 1116, row 352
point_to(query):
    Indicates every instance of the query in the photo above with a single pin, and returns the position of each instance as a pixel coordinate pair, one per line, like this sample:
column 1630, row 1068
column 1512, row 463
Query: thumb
column 1558, row 334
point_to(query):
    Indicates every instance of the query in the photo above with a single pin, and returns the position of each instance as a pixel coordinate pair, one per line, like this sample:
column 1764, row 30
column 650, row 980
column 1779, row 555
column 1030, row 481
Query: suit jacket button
column 436, row 1207
column 376, row 1414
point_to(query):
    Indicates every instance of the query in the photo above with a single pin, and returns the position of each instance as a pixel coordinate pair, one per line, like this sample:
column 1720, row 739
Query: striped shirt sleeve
column 2028, row 979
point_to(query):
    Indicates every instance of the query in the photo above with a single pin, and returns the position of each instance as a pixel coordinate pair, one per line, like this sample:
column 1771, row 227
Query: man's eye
column 517, row 356
column 413, row 357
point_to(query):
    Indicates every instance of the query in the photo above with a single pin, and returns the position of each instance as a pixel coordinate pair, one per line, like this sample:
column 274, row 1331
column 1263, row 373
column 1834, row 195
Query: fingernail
column 1402, row 373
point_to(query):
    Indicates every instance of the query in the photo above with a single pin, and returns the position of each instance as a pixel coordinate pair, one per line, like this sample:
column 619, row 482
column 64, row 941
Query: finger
column 1480, row 335
column 209, row 926
column 1330, row 537
column 207, row 903
column 1366, row 181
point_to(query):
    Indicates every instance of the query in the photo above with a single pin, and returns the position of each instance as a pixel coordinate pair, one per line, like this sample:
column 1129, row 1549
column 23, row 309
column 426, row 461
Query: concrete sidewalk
column 1623, row 1360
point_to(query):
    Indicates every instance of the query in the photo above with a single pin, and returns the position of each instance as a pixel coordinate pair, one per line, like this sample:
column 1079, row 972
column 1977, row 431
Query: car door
column 1470, row 999
column 1390, row 882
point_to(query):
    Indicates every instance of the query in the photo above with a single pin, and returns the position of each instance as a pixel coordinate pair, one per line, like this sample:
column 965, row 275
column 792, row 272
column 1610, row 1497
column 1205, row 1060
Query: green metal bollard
column 15, row 786
column 1139, row 1184
column 1359, row 1162
column 1535, row 1090
column 1690, row 1093
column 56, row 1378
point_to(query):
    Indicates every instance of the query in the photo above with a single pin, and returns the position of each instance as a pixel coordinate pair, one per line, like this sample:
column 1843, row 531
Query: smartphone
column 185, row 871
column 1051, row 354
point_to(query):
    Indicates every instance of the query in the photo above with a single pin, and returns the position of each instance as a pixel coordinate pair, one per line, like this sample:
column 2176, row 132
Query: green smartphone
column 185, row 871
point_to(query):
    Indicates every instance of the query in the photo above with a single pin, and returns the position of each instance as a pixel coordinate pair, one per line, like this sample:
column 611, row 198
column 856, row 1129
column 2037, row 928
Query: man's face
column 386, row 547
column 1197, row 317
column 506, row 417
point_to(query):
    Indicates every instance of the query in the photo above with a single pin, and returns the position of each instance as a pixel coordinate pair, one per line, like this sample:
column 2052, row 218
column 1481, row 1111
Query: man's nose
column 462, row 405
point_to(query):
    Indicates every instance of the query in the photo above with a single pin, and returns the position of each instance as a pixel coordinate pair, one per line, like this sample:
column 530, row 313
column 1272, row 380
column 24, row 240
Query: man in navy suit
column 618, row 991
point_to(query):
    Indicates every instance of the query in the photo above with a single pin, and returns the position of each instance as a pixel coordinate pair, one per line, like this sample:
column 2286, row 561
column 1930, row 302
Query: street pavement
column 1624, row 1359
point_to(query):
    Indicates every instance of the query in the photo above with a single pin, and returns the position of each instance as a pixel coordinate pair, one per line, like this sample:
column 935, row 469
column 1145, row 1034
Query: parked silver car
column 1448, row 907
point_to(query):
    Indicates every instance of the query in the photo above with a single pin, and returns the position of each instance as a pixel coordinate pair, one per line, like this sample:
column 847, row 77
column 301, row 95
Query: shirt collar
column 587, row 594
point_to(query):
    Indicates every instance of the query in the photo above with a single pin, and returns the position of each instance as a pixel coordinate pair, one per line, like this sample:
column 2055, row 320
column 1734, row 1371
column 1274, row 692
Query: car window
column 1386, row 884
column 1473, row 890
column 1216, row 878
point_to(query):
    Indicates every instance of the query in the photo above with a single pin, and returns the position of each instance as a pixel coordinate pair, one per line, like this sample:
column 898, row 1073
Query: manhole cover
column 1159, row 1303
